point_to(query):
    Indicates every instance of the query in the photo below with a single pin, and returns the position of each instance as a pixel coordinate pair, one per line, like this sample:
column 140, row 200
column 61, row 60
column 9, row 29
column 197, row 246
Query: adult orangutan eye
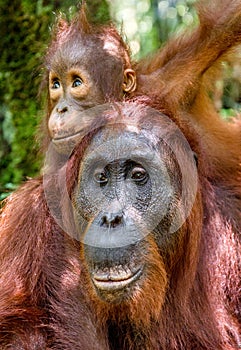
column 77, row 82
column 101, row 178
column 55, row 84
column 139, row 175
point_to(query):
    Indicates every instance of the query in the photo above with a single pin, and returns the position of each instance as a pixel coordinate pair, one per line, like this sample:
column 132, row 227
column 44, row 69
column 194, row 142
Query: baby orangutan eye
column 77, row 82
column 55, row 84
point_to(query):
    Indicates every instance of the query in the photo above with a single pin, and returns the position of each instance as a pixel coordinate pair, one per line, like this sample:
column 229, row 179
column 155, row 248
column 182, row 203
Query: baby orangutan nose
column 62, row 108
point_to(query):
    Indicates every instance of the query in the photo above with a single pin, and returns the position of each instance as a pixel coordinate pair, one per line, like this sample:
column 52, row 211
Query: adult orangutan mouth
column 115, row 281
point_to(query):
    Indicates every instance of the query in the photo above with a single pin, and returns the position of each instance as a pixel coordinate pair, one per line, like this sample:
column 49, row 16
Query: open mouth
column 112, row 281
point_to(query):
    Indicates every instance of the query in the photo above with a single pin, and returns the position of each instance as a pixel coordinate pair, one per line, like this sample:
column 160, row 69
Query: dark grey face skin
column 124, row 193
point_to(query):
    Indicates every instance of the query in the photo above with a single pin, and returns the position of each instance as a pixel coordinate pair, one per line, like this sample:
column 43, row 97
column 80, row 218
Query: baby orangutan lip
column 66, row 143
column 115, row 279
column 62, row 137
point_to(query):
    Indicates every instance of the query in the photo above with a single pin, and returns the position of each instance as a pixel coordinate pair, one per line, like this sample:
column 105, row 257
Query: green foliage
column 173, row 16
column 98, row 11
column 24, row 32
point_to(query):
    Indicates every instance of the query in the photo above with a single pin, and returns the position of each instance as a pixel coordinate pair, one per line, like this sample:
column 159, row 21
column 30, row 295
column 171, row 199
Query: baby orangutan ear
column 129, row 82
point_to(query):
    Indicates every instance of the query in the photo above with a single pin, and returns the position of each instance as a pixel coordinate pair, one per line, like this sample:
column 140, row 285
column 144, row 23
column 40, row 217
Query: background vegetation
column 25, row 32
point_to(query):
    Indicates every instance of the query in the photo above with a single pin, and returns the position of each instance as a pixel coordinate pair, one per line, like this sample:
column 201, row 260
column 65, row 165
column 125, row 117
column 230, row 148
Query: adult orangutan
column 133, row 241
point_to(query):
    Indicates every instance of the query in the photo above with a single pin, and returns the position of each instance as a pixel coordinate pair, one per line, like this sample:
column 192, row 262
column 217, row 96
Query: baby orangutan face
column 83, row 75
